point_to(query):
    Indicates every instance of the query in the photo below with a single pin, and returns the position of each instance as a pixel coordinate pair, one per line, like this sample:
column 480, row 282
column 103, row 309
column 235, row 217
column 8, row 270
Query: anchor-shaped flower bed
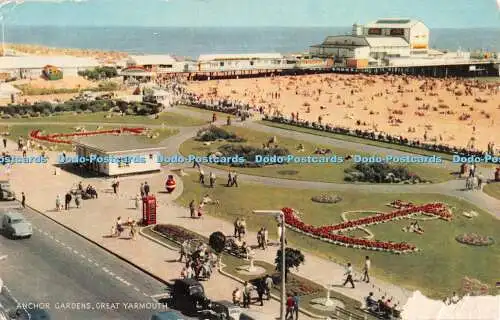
column 332, row 233
column 54, row 138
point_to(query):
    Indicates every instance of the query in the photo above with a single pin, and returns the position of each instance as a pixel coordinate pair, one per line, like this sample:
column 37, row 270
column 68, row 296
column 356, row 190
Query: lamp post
column 281, row 218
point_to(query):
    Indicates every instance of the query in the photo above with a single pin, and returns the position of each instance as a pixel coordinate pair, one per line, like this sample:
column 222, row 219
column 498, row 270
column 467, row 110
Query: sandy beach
column 459, row 112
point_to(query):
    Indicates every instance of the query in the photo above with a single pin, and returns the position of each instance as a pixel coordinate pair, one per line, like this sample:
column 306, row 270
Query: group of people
column 144, row 189
column 201, row 178
column 199, row 263
column 119, row 227
column 414, row 227
column 263, row 287
column 349, row 272
column 382, row 307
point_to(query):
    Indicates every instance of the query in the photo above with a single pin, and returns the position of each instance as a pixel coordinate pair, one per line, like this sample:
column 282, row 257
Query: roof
column 14, row 215
column 375, row 42
column 152, row 59
column 116, row 144
column 35, row 62
column 239, row 56
column 345, row 41
column 392, row 23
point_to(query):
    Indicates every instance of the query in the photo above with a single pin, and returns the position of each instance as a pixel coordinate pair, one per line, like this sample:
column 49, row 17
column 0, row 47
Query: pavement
column 56, row 267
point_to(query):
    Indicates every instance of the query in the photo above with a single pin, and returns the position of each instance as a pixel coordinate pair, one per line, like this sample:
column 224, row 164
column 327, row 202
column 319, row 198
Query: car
column 14, row 225
column 32, row 314
column 167, row 315
column 188, row 295
column 255, row 315
column 6, row 193
column 222, row 310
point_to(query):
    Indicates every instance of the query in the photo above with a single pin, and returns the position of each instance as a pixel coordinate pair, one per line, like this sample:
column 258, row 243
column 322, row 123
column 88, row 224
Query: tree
column 293, row 259
column 217, row 242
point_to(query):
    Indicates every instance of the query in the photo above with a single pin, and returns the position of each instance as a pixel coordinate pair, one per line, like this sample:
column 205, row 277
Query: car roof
column 14, row 215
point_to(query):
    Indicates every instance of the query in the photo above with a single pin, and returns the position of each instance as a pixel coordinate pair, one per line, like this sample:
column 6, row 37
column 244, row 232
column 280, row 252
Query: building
column 33, row 66
column 156, row 64
column 240, row 62
column 135, row 156
column 376, row 41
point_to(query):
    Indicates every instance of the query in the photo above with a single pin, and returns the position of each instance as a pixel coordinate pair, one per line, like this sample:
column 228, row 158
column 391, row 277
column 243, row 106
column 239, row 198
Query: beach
column 455, row 112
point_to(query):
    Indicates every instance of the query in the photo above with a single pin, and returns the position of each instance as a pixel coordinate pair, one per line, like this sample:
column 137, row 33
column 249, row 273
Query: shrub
column 249, row 153
column 214, row 133
column 379, row 173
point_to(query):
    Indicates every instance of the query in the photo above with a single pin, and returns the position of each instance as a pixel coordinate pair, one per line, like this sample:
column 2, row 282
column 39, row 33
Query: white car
column 14, row 225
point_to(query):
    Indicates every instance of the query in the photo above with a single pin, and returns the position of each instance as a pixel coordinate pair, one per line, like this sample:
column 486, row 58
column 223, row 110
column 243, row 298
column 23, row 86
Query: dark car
column 188, row 295
column 34, row 314
column 167, row 315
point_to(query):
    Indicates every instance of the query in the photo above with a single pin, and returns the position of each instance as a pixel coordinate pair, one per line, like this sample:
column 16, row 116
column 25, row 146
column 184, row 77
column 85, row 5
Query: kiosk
column 149, row 210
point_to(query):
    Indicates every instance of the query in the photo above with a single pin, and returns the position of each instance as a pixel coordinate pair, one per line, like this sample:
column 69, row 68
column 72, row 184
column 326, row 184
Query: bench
column 341, row 313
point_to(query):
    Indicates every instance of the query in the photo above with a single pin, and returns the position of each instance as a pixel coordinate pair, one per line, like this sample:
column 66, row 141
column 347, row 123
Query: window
column 374, row 31
column 151, row 156
column 251, row 63
column 221, row 64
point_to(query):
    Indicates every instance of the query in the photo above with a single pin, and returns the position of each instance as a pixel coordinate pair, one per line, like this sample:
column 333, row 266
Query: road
column 55, row 268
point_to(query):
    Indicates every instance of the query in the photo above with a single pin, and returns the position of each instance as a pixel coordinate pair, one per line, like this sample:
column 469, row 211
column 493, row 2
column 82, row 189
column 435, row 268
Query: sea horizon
column 194, row 41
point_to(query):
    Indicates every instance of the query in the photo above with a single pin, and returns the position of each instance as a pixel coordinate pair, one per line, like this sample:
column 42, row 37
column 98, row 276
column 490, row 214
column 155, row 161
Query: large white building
column 32, row 66
column 377, row 40
column 244, row 61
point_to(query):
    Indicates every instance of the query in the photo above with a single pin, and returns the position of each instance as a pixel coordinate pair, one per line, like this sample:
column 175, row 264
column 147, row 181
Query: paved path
column 56, row 266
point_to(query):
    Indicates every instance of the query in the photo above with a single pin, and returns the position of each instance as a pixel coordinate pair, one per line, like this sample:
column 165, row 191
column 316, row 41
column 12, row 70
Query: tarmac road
column 63, row 272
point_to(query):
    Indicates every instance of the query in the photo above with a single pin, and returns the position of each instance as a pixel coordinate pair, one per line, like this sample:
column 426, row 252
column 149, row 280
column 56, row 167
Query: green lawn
column 436, row 270
column 23, row 131
column 327, row 172
column 168, row 118
column 493, row 190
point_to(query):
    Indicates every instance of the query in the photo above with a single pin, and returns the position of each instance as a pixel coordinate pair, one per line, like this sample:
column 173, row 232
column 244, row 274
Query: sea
column 191, row 42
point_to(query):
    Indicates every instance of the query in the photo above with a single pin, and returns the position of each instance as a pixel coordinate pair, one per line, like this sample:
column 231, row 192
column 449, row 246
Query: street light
column 280, row 216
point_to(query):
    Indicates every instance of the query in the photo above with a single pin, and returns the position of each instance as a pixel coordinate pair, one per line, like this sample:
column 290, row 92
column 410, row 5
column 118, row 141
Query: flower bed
column 176, row 234
column 327, row 198
column 474, row 239
column 398, row 204
column 331, row 233
column 54, row 138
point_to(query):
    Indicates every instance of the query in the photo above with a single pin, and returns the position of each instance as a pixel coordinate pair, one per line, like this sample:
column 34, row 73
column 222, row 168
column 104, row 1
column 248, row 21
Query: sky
column 258, row 13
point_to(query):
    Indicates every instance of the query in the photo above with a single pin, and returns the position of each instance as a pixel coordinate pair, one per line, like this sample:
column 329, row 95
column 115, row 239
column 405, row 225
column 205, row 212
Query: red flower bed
column 330, row 233
column 53, row 138
column 176, row 233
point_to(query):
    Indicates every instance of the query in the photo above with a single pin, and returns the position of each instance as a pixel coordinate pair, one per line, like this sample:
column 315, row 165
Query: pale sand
column 433, row 111
column 68, row 82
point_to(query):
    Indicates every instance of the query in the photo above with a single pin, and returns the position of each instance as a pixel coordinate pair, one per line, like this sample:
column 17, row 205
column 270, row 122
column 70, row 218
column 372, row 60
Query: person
column 23, row 199
column 235, row 180
column 146, row 189
column 296, row 301
column 348, row 273
column 243, row 228
column 200, row 210
column 366, row 270
column 119, row 226
column 67, row 200
column 280, row 234
column 80, row 186
column 228, row 122
column 214, row 117
column 269, row 283
column 25, row 149
column 260, row 236
column 137, row 201
column 184, row 273
column 290, row 305
column 246, row 295
column 260, row 292
column 133, row 230
column 237, row 228
column 229, row 179
column 58, row 203
column 455, row 298
column 202, row 176
column 371, row 303
column 115, row 185
column 237, row 296
column 192, row 209
column 77, row 201
column 183, row 251
column 4, row 142
column 143, row 193
column 212, row 179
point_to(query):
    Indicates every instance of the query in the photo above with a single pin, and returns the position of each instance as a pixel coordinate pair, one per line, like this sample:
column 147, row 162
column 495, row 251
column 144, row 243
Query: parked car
column 167, row 315
column 32, row 314
column 6, row 193
column 255, row 315
column 188, row 295
column 14, row 225
column 222, row 310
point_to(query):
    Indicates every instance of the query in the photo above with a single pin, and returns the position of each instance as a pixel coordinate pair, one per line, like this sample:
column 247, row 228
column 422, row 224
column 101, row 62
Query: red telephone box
column 149, row 210
column 497, row 175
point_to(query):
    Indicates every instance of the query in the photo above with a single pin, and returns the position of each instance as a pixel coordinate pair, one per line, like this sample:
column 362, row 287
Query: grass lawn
column 23, row 131
column 326, row 172
column 436, row 270
column 168, row 118
column 205, row 112
column 493, row 190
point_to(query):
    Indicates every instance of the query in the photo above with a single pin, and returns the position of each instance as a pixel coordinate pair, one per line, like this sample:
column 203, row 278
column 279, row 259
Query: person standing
column 202, row 176
column 77, row 201
column 4, row 142
column 235, row 180
column 58, row 203
column 192, row 209
column 146, row 189
column 115, row 186
column 183, row 251
column 260, row 292
column 229, row 179
column 23, row 199
column 269, row 286
column 143, row 193
column 290, row 305
column 25, row 149
column 246, row 295
column 67, row 200
column 348, row 273
column 212, row 179
column 366, row 270
column 265, row 238
column 296, row 301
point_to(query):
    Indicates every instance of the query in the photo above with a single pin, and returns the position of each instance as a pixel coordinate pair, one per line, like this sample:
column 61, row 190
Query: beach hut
column 52, row 72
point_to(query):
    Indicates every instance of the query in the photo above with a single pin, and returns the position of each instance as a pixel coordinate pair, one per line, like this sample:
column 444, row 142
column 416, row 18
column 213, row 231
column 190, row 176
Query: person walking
column 229, row 179
column 141, row 189
column 183, row 251
column 23, row 199
column 4, row 142
column 269, row 286
column 235, row 180
column 348, row 273
column 58, row 203
column 77, row 201
column 202, row 176
column 366, row 270
column 25, row 149
column 67, row 200
column 133, row 230
column 261, row 290
column 290, row 305
column 212, row 179
column 146, row 189
column 246, row 295
column 296, row 301
column 192, row 209
column 115, row 186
